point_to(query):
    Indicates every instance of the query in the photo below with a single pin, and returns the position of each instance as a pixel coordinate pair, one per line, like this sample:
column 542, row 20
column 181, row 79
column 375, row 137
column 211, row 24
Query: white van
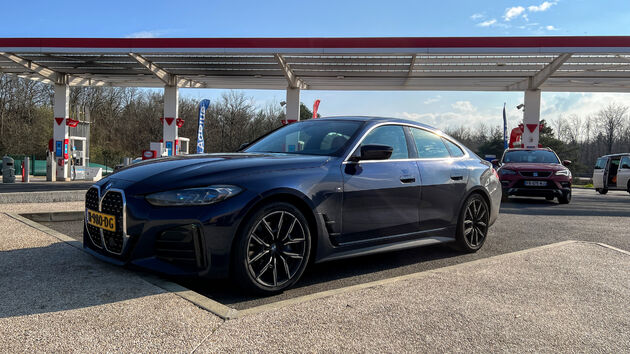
column 612, row 172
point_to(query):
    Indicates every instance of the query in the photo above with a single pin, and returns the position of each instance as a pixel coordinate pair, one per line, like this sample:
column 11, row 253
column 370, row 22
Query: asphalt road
column 522, row 224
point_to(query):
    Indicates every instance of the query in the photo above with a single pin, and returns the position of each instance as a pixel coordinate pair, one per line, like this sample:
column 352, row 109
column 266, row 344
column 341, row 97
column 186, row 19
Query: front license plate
column 103, row 221
column 536, row 183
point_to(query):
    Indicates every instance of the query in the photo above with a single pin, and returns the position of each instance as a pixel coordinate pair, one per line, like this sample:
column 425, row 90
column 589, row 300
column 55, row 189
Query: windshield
column 312, row 137
column 530, row 156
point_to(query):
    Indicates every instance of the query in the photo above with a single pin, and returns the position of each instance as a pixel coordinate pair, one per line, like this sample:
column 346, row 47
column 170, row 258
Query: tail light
column 495, row 173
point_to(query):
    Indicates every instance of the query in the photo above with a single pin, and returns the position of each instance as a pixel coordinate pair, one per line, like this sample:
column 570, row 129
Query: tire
column 602, row 191
column 475, row 212
column 565, row 198
column 272, row 249
column 628, row 189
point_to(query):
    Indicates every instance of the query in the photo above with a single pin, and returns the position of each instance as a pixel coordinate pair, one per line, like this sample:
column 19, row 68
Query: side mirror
column 242, row 146
column 374, row 152
column 495, row 162
column 566, row 162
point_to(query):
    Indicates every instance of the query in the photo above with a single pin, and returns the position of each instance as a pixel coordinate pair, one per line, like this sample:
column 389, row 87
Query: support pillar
column 169, row 124
column 293, row 104
column 61, row 111
column 531, row 119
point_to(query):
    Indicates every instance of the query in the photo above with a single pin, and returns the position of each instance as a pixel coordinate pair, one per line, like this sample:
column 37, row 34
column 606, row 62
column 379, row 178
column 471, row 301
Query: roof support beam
column 294, row 81
column 412, row 64
column 167, row 78
column 50, row 76
column 534, row 82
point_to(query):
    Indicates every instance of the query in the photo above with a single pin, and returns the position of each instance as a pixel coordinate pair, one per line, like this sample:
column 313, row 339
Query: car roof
column 614, row 155
column 375, row 119
column 529, row 149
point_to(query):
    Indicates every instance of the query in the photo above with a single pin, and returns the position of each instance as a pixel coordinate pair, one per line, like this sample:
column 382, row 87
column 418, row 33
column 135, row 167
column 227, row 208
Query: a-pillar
column 293, row 104
column 531, row 119
column 171, row 112
column 61, row 110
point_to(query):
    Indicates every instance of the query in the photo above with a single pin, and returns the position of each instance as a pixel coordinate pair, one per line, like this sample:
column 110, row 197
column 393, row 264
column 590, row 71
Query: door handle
column 457, row 178
column 407, row 179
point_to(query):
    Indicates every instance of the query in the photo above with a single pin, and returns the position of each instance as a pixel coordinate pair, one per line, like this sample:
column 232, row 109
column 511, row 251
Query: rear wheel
column 472, row 227
column 602, row 190
column 272, row 249
column 565, row 198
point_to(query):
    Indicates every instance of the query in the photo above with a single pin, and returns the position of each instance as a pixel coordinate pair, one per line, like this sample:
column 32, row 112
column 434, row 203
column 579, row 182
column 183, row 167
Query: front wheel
column 602, row 190
column 565, row 198
column 272, row 249
column 472, row 227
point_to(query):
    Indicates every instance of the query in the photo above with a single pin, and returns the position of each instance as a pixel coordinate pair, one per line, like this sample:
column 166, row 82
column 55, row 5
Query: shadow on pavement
column 58, row 277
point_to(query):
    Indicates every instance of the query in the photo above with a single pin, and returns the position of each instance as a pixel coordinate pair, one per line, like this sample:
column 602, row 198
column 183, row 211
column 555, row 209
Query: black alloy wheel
column 472, row 227
column 273, row 249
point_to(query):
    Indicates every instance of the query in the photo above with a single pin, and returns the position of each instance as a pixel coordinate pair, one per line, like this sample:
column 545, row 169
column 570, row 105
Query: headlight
column 506, row 172
column 193, row 196
column 563, row 173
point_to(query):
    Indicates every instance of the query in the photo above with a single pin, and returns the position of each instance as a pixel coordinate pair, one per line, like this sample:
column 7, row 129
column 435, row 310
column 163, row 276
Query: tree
column 610, row 121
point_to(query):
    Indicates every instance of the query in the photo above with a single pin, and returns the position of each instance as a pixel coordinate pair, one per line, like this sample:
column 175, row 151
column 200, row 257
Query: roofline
column 319, row 42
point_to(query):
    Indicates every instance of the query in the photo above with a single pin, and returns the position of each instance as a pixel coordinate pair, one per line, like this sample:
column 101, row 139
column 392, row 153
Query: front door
column 599, row 172
column 380, row 198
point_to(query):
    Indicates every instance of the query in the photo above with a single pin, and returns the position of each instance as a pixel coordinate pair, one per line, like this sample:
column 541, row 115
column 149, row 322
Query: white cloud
column 513, row 12
column 476, row 16
column 550, row 28
column 542, row 7
column 432, row 99
column 487, row 23
column 464, row 106
column 146, row 34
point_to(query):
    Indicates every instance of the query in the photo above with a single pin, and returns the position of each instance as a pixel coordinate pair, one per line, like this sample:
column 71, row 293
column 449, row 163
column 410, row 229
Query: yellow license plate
column 104, row 221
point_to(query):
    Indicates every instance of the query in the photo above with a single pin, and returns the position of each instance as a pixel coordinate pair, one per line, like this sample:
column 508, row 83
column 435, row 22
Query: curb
column 43, row 197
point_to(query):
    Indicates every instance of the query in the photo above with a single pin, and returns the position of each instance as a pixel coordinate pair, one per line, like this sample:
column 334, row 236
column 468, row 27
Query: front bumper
column 177, row 241
column 556, row 187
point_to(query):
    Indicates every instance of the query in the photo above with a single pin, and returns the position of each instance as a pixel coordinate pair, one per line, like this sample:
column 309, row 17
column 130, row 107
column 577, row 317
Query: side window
column 625, row 162
column 601, row 163
column 429, row 145
column 455, row 150
column 390, row 135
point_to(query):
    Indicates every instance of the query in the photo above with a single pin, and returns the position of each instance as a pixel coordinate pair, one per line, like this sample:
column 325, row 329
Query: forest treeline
column 125, row 120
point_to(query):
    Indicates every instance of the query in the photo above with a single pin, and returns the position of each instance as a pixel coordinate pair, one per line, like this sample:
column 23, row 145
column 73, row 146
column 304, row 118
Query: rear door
column 599, row 172
column 623, row 175
column 380, row 198
column 444, row 179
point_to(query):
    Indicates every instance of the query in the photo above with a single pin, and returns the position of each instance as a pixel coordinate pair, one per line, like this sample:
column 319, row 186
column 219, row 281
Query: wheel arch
column 285, row 195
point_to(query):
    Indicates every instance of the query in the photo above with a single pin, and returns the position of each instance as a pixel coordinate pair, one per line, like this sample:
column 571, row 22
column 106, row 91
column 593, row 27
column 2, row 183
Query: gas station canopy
column 582, row 64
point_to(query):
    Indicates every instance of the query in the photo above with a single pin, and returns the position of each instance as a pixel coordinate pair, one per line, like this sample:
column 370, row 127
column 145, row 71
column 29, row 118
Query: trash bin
column 8, row 170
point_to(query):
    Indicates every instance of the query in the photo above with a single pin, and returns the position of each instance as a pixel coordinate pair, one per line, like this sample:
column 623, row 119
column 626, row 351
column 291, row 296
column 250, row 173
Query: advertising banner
column 203, row 106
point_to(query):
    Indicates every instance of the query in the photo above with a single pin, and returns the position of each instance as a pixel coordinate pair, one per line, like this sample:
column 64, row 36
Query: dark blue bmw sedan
column 311, row 191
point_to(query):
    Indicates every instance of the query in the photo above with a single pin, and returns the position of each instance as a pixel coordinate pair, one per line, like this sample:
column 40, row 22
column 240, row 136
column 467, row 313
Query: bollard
column 26, row 169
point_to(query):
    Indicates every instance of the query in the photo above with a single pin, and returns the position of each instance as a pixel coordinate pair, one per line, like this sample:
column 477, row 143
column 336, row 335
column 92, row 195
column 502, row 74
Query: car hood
column 165, row 171
column 533, row 166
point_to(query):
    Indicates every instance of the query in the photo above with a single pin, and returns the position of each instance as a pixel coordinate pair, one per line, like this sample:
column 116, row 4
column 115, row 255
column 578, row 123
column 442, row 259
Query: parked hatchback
column 535, row 173
column 612, row 172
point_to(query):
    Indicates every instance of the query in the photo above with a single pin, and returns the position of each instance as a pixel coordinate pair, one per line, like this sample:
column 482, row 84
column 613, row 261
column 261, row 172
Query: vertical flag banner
column 203, row 106
column 505, row 142
column 315, row 108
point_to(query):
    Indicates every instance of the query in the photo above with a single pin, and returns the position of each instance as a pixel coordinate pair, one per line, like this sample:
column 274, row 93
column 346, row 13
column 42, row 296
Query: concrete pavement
column 565, row 297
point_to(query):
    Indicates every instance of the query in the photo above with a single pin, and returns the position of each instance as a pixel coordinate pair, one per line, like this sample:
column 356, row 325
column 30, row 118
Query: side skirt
column 386, row 248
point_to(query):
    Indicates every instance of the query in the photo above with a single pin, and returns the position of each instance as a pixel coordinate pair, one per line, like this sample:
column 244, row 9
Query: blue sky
column 326, row 18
